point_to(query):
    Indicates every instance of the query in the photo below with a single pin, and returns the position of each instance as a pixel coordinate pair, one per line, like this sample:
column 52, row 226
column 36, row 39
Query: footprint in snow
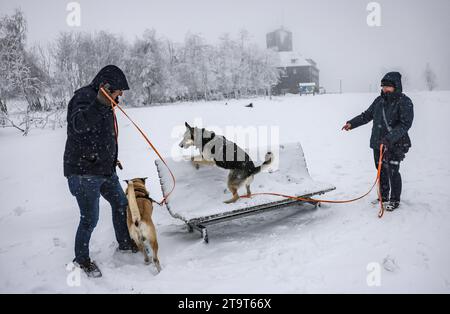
column 390, row 264
column 57, row 242
column 19, row 210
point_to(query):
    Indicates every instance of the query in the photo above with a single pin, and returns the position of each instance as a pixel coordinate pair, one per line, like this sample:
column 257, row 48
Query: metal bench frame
column 201, row 224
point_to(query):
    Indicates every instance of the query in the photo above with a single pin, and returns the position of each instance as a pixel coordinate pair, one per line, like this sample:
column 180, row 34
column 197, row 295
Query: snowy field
column 295, row 250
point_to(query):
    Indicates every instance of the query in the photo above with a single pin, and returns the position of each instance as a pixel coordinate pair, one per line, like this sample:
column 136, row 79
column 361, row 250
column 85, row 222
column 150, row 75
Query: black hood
column 394, row 78
column 112, row 75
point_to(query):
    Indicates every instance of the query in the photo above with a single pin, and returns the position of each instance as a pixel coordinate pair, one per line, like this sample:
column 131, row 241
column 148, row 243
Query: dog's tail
column 267, row 161
column 132, row 203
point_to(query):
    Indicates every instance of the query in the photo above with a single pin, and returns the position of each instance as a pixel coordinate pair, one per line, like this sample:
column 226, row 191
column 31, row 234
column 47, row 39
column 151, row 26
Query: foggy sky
column 333, row 33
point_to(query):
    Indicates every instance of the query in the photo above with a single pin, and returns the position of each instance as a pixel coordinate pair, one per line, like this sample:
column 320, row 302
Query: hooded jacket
column 399, row 115
column 91, row 147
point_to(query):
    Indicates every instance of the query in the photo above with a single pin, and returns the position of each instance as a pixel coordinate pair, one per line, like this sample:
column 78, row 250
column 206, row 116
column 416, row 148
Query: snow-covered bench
column 199, row 194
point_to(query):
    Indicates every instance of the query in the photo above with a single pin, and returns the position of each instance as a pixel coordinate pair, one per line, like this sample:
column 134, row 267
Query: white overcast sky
column 333, row 33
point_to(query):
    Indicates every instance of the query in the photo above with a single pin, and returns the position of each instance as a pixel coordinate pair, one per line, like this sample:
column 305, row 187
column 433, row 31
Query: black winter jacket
column 91, row 147
column 399, row 114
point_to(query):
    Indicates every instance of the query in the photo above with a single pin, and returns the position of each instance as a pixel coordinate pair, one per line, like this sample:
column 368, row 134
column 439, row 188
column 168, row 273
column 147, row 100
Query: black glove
column 385, row 143
column 101, row 98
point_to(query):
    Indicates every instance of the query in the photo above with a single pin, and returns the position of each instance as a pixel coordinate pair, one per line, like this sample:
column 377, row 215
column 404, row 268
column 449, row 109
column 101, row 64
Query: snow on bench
column 199, row 195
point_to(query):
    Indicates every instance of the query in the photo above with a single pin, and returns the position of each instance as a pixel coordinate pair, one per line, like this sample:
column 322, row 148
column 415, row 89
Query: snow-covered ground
column 335, row 248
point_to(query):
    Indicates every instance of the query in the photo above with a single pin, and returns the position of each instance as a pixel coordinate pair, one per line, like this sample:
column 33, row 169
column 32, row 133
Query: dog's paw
column 157, row 266
column 230, row 201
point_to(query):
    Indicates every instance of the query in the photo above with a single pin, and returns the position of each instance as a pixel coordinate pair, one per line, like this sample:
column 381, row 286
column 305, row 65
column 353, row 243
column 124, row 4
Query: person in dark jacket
column 90, row 160
column 392, row 114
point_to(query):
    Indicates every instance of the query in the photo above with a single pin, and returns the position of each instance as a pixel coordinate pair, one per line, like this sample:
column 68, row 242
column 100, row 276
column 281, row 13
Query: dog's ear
column 143, row 179
column 188, row 126
column 126, row 181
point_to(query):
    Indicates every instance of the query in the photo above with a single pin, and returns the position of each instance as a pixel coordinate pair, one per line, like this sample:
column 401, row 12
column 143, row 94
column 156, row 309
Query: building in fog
column 293, row 67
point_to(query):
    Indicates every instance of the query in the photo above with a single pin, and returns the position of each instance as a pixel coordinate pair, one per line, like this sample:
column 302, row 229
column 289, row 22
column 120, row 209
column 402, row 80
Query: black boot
column 392, row 205
column 132, row 248
column 90, row 268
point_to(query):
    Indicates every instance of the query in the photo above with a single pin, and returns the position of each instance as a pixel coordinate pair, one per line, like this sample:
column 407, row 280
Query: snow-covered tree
column 19, row 76
column 79, row 57
column 195, row 67
column 147, row 69
column 263, row 71
column 243, row 68
column 158, row 69
column 226, row 66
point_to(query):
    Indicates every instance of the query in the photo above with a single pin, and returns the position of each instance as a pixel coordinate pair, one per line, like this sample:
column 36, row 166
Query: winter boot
column 392, row 205
column 132, row 248
column 90, row 268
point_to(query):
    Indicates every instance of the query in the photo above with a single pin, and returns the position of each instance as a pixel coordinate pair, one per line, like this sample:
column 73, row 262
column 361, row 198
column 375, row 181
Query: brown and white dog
column 139, row 220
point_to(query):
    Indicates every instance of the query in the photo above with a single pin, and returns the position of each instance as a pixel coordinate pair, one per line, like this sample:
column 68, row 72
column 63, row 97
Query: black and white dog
column 217, row 150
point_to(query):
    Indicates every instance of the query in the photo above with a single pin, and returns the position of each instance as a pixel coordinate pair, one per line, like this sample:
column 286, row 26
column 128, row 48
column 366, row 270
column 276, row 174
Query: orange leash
column 113, row 105
column 380, row 161
column 377, row 180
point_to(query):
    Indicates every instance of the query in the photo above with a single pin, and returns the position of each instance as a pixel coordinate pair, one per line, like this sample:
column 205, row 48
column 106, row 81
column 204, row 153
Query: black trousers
column 390, row 180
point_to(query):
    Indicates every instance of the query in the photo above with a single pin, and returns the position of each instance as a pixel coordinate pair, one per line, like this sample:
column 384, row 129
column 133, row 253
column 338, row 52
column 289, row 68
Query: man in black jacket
column 392, row 114
column 90, row 160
